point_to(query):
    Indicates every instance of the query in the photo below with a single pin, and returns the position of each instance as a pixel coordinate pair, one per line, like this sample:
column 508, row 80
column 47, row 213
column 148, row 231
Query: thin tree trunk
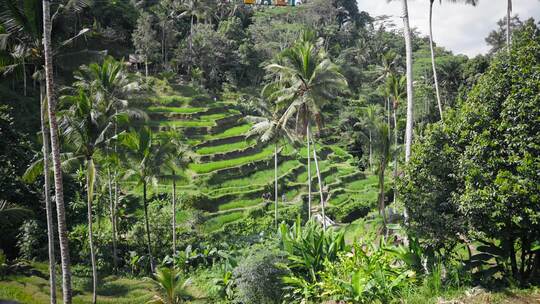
column 382, row 206
column 147, row 225
column 308, row 171
column 370, row 153
column 46, row 195
column 433, row 64
column 146, row 66
column 55, row 147
column 112, row 212
column 410, row 104
column 116, row 190
column 24, row 74
column 276, row 183
column 395, row 154
column 174, row 213
column 508, row 28
column 320, row 183
column 90, row 179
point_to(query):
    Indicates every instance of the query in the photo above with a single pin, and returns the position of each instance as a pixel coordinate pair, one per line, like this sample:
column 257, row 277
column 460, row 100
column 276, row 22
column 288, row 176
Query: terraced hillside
column 230, row 174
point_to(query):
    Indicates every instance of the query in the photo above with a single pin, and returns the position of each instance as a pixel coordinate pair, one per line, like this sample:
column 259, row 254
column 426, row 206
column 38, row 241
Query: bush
column 31, row 240
column 258, row 278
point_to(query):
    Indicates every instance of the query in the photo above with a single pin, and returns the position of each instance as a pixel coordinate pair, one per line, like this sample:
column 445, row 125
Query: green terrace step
column 224, row 148
column 199, row 127
column 227, row 133
column 202, row 168
column 188, row 113
column 234, row 154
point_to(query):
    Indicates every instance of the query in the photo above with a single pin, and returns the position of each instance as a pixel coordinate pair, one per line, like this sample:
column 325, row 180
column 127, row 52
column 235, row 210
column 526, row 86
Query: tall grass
column 217, row 222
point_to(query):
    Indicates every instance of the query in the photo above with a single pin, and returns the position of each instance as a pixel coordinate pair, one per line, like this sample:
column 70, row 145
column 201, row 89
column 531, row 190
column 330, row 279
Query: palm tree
column 172, row 287
column 305, row 82
column 145, row 157
column 85, row 124
column 111, row 84
column 395, row 88
column 267, row 129
column 433, row 64
column 55, row 147
column 176, row 159
column 382, row 146
column 193, row 9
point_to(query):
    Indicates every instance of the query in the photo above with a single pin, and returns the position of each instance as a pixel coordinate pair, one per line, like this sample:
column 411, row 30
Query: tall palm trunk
column 276, row 183
column 433, row 64
column 113, row 215
column 90, row 180
column 309, row 171
column 46, row 195
column 410, row 104
column 147, row 226
column 55, row 147
column 508, row 28
column 395, row 154
column 174, row 213
column 320, row 183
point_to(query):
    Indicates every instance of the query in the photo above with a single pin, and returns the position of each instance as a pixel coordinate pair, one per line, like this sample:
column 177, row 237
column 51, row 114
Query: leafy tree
column 497, row 38
column 144, row 39
column 479, row 170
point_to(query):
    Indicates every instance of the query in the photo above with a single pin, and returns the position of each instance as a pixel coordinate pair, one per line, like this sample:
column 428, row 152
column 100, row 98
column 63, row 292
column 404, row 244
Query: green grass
column 362, row 184
column 240, row 204
column 217, row 222
column 235, row 131
column 225, row 148
column 35, row 290
column 213, row 166
column 177, row 99
column 181, row 110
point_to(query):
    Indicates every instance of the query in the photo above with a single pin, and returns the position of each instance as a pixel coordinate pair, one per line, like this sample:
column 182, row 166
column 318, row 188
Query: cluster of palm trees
column 304, row 80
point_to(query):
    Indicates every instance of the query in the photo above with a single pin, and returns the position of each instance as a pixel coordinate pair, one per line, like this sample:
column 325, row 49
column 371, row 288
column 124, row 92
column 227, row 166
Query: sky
column 457, row 27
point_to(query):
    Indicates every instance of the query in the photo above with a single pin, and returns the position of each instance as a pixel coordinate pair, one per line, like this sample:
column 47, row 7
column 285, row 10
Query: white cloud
column 458, row 27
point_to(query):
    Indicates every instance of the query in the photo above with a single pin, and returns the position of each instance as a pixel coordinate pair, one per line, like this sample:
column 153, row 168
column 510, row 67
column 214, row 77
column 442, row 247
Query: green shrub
column 258, row 278
column 476, row 175
column 370, row 274
column 349, row 212
column 31, row 240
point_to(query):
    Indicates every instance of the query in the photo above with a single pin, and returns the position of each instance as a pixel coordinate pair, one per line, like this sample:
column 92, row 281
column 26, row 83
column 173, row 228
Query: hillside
column 229, row 174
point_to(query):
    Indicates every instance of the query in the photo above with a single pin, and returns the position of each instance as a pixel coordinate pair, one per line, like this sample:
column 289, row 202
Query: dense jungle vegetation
column 203, row 151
